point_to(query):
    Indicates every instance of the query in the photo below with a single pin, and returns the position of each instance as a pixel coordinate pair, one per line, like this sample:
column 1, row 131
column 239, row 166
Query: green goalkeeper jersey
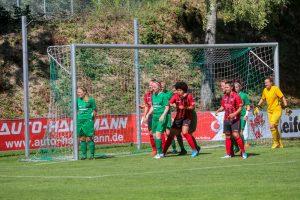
column 85, row 108
column 246, row 102
column 159, row 103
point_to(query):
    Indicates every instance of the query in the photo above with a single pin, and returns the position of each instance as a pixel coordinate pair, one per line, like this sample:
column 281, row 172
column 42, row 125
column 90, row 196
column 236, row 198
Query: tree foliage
column 255, row 12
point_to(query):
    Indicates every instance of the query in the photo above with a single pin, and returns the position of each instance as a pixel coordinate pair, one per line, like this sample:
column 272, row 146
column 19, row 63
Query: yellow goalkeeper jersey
column 272, row 96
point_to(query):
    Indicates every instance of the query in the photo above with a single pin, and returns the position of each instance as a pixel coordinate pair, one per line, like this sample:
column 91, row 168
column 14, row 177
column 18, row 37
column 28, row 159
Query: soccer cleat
column 280, row 144
column 226, row 156
column 244, row 155
column 275, row 145
column 82, row 158
column 194, row 153
column 162, row 155
column 182, row 152
column 158, row 156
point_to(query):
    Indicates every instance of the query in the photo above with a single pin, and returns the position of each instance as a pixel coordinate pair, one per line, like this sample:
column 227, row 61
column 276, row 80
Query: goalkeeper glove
column 256, row 110
column 288, row 111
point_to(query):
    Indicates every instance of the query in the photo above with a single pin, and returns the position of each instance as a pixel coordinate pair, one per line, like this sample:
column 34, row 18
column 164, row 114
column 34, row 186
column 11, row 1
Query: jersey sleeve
column 165, row 101
column 263, row 96
column 246, row 100
column 190, row 100
column 173, row 99
column 93, row 103
column 239, row 101
column 278, row 93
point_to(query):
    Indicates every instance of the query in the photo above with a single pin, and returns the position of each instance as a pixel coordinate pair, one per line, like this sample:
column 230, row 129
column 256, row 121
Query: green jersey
column 86, row 108
column 168, row 94
column 159, row 103
column 246, row 102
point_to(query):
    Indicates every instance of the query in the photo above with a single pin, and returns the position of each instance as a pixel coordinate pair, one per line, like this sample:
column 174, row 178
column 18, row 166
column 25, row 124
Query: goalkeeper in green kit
column 86, row 111
column 245, row 108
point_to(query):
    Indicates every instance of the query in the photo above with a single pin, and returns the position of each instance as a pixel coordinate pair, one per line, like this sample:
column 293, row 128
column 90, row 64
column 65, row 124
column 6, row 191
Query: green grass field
column 267, row 174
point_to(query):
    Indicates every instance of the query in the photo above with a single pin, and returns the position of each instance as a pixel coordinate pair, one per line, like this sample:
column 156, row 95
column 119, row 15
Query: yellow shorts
column 274, row 116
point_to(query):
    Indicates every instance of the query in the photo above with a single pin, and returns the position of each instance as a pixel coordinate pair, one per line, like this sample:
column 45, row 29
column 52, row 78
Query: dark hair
column 270, row 78
column 231, row 84
column 182, row 86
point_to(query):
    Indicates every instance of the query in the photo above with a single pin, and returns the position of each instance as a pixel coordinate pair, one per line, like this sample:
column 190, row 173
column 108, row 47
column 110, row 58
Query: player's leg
column 160, row 128
column 88, row 129
column 173, row 144
column 228, row 140
column 235, row 127
column 151, row 137
column 243, row 125
column 189, row 137
column 83, row 147
column 274, row 121
column 170, row 138
column 180, row 143
column 193, row 127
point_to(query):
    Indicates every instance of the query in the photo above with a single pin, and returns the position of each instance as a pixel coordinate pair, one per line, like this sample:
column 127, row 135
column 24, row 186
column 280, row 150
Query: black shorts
column 178, row 123
column 149, row 123
column 230, row 126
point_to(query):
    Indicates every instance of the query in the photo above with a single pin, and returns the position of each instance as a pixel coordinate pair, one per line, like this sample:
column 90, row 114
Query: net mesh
column 109, row 76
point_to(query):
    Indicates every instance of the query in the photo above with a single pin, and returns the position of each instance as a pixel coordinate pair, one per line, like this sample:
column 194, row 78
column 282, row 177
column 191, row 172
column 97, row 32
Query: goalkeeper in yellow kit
column 274, row 97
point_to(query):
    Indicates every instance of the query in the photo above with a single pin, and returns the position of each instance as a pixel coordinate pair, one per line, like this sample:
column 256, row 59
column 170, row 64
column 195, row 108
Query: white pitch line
column 144, row 173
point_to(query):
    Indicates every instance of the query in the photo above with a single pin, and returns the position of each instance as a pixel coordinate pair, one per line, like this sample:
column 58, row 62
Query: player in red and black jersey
column 185, row 105
column 232, row 104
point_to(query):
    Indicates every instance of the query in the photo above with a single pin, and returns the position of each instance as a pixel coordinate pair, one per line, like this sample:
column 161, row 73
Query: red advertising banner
column 109, row 129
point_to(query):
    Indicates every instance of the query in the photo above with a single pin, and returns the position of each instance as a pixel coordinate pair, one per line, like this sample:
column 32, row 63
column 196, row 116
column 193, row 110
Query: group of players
column 158, row 102
column 236, row 106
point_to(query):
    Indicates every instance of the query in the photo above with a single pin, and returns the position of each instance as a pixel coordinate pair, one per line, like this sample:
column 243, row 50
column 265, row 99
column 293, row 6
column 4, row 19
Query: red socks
column 168, row 143
column 163, row 140
column 228, row 146
column 240, row 143
column 189, row 138
column 152, row 142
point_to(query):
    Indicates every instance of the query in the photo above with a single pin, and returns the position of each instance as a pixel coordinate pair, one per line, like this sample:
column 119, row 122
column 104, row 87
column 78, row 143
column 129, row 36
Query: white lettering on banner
column 4, row 129
column 115, row 123
column 290, row 125
column 36, row 127
column 123, row 122
column 64, row 126
column 104, row 124
column 13, row 128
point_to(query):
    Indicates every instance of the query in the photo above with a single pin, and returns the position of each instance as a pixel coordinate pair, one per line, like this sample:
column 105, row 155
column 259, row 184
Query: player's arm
column 239, row 102
column 234, row 114
column 148, row 114
column 191, row 102
column 247, row 105
column 288, row 111
column 221, row 109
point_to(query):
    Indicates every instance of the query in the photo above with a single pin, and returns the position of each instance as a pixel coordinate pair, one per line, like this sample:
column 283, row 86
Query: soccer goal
column 117, row 76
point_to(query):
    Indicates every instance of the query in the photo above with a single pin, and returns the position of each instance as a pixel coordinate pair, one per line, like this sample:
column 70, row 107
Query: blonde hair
column 86, row 95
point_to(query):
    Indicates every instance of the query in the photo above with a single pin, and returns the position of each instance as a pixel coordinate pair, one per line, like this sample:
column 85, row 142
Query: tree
column 254, row 12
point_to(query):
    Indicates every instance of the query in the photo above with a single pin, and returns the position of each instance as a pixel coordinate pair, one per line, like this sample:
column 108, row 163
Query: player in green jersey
column 86, row 111
column 245, row 108
column 159, row 111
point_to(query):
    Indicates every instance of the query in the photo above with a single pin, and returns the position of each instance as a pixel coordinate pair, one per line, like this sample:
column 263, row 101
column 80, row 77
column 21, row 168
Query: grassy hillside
column 161, row 22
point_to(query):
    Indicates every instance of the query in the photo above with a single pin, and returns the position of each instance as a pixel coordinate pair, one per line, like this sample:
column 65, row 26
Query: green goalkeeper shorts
column 243, row 123
column 85, row 127
column 158, row 126
column 169, row 121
